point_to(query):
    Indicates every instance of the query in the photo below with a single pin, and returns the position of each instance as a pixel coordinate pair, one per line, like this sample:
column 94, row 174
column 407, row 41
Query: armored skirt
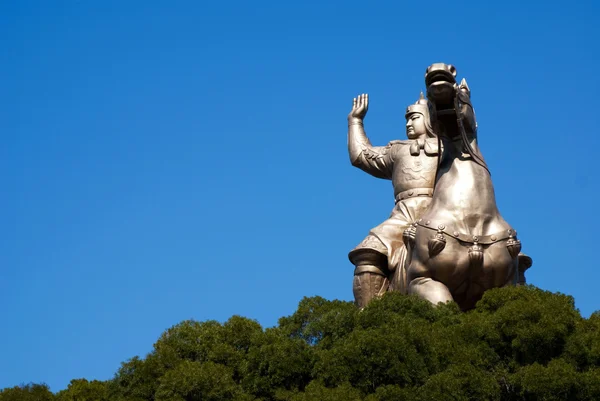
column 387, row 239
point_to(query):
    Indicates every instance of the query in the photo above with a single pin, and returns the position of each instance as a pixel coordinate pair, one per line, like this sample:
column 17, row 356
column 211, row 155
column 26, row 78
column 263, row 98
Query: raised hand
column 360, row 106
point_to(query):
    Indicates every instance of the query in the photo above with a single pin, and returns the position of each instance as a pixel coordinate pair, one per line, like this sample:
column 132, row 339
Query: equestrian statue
column 445, row 239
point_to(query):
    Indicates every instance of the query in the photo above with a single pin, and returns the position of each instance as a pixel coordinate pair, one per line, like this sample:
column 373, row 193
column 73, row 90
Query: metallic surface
column 445, row 239
column 380, row 259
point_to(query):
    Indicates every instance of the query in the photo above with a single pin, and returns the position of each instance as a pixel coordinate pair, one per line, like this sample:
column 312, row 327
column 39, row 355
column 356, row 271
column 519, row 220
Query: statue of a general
column 411, row 165
column 445, row 239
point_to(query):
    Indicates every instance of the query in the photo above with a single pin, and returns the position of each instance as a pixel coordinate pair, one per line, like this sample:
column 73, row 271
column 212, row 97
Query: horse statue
column 461, row 246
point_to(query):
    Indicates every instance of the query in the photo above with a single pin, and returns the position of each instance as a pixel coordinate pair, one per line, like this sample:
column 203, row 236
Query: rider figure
column 411, row 165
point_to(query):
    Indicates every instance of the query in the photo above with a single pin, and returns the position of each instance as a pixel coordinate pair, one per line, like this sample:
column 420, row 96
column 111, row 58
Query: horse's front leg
column 429, row 289
column 421, row 273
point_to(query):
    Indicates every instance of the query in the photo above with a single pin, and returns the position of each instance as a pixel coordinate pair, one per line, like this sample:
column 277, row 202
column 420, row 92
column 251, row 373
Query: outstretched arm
column 375, row 160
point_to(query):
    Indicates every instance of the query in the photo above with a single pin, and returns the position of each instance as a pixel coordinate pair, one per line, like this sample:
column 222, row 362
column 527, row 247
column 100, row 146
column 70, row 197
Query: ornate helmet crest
column 421, row 106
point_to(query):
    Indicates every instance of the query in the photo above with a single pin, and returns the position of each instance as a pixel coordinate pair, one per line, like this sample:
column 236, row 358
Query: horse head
column 454, row 115
column 451, row 101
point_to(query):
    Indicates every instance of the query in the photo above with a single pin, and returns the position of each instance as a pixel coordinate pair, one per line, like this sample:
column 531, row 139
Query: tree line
column 519, row 343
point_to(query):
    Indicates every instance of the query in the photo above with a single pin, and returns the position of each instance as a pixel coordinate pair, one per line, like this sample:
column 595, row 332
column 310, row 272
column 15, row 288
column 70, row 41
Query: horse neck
column 462, row 185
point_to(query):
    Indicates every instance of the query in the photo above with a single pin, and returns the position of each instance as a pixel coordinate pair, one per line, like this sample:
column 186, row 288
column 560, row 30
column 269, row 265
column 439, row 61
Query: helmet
column 426, row 109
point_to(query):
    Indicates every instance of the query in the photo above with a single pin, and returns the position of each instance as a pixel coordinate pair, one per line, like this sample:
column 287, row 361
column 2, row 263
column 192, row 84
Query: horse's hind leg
column 429, row 289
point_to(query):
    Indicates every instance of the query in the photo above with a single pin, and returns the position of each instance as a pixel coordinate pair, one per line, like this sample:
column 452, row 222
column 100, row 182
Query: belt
column 411, row 193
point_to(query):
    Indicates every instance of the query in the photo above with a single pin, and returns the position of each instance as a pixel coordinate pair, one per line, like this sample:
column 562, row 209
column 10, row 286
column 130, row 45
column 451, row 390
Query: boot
column 370, row 277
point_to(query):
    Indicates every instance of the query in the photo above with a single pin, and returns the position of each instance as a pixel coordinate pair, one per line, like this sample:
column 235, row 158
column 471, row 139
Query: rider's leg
column 370, row 276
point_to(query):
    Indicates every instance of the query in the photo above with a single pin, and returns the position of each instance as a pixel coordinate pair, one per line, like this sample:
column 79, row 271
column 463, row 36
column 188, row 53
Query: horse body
column 462, row 246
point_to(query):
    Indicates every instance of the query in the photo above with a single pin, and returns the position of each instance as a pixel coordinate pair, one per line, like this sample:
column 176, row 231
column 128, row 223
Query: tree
column 83, row 390
column 27, row 392
column 518, row 344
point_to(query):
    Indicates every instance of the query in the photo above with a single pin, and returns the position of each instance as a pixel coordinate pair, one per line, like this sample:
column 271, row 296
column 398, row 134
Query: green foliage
column 583, row 347
column 277, row 362
column 317, row 391
column 461, row 383
column 524, row 325
column 27, row 392
column 318, row 321
column 518, row 344
column 197, row 381
column 83, row 390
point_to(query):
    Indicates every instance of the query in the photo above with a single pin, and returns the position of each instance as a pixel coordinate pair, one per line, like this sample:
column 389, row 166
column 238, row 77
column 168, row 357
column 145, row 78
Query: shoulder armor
column 371, row 153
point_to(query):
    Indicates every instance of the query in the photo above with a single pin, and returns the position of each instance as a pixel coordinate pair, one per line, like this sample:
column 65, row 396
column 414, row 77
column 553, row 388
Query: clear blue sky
column 168, row 160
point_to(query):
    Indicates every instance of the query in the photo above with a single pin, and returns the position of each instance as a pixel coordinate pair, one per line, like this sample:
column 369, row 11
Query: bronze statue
column 454, row 245
column 380, row 259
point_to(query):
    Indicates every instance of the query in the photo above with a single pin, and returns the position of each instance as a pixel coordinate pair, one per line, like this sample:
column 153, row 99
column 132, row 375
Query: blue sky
column 162, row 161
